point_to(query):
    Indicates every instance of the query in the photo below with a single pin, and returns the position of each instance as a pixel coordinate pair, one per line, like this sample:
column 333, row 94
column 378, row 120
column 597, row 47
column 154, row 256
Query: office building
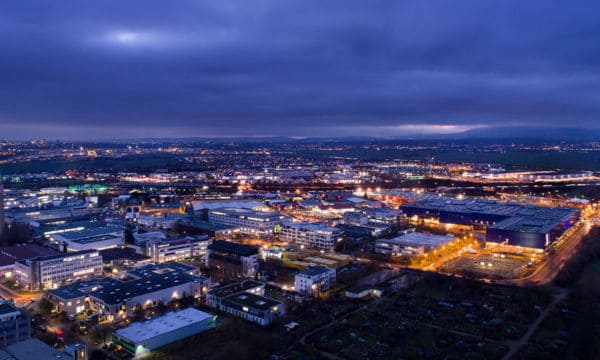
column 312, row 235
column 249, row 222
column 231, row 260
column 411, row 243
column 165, row 250
column 49, row 272
column 116, row 298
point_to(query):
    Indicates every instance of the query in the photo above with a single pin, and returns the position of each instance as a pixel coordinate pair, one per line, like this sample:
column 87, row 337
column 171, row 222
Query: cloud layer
column 298, row 68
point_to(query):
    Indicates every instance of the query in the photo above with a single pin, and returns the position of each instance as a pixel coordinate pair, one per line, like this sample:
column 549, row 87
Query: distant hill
column 529, row 132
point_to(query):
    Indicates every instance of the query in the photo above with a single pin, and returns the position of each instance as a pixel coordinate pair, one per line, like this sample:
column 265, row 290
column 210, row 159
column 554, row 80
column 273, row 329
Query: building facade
column 313, row 235
column 50, row 271
column 114, row 298
column 314, row 280
column 14, row 325
column 249, row 222
column 231, row 260
column 165, row 250
column 246, row 300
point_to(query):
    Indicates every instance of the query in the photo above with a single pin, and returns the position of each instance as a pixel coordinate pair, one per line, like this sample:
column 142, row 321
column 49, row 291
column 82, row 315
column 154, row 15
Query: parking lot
column 491, row 265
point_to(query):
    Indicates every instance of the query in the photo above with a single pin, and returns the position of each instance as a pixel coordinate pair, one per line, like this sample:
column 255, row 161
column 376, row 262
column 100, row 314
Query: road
column 515, row 346
column 548, row 270
column 21, row 298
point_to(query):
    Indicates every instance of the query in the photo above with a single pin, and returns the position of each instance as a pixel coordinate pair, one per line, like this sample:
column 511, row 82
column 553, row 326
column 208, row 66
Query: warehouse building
column 508, row 223
column 142, row 337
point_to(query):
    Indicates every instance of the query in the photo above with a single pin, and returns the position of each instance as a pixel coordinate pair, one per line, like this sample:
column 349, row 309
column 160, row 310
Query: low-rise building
column 315, row 235
column 231, row 260
column 14, row 324
column 116, row 298
column 35, row 349
column 98, row 238
column 165, row 250
column 50, row 271
column 314, row 280
column 142, row 337
column 411, row 243
column 246, row 300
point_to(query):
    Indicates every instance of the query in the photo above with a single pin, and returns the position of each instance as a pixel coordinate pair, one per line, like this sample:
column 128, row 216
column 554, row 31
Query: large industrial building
column 141, row 337
column 508, row 223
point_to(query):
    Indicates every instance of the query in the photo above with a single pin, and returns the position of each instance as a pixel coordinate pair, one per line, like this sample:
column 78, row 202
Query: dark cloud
column 195, row 68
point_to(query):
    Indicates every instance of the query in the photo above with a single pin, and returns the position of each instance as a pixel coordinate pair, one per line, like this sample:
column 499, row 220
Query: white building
column 50, row 271
column 141, row 337
column 97, row 238
column 246, row 300
column 164, row 250
column 314, row 280
column 249, row 222
column 315, row 235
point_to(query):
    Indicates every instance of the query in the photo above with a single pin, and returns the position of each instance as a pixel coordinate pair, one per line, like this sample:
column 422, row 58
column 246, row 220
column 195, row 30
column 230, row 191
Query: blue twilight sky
column 115, row 69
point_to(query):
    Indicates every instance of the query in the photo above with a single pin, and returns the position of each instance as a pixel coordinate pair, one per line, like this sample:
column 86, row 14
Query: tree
column 45, row 306
column 129, row 238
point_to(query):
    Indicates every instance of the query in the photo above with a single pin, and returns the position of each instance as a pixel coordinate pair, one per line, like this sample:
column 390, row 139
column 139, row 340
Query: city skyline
column 199, row 69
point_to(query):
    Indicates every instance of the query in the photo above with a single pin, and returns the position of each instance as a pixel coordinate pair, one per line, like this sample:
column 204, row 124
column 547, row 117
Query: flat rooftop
column 247, row 214
column 230, row 289
column 512, row 216
column 121, row 254
column 417, row 239
column 83, row 236
column 315, row 226
column 234, row 248
column 142, row 331
column 246, row 299
column 315, row 270
column 144, row 280
column 204, row 225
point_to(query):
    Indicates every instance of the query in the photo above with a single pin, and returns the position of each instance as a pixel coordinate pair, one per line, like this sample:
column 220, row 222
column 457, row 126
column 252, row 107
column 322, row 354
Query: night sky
column 122, row 69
